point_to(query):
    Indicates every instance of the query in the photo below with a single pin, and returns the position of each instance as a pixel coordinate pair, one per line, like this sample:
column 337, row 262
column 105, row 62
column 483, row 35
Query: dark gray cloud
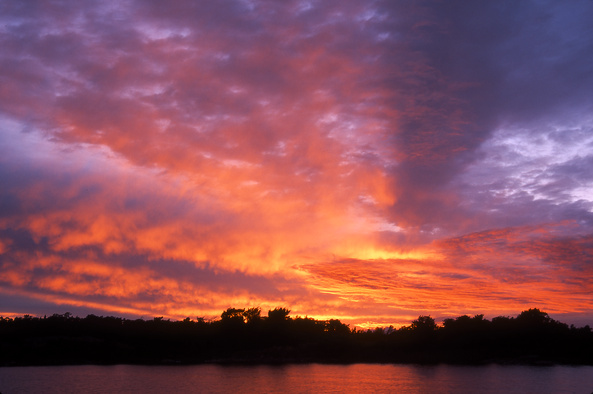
column 460, row 72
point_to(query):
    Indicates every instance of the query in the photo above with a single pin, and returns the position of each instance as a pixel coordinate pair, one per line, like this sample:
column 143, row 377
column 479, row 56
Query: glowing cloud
column 363, row 160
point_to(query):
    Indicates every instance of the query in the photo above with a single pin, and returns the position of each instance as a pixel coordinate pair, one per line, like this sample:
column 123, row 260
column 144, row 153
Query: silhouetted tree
column 252, row 315
column 232, row 315
column 534, row 318
column 465, row 324
column 278, row 314
column 423, row 324
column 335, row 326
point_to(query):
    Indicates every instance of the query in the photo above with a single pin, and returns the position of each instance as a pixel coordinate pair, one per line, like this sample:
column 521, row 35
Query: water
column 310, row 378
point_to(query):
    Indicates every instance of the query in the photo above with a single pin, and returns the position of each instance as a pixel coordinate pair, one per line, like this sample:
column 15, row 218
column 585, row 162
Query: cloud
column 334, row 157
column 470, row 70
column 514, row 267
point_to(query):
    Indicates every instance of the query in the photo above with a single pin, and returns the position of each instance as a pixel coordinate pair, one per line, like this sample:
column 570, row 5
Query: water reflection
column 308, row 378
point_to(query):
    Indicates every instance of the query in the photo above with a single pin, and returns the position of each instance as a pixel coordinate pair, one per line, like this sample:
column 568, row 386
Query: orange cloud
column 182, row 160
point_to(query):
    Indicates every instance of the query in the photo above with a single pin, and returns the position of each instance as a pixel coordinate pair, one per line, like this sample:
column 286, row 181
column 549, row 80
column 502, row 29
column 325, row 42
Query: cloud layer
column 366, row 160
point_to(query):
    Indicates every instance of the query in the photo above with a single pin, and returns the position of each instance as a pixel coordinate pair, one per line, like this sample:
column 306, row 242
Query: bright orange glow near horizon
column 366, row 161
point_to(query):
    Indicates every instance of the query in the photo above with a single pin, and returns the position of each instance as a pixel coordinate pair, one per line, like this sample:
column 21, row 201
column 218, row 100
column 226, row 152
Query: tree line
column 246, row 336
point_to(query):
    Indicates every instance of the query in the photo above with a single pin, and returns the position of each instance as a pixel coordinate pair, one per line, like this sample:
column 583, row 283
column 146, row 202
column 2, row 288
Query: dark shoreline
column 276, row 363
column 532, row 338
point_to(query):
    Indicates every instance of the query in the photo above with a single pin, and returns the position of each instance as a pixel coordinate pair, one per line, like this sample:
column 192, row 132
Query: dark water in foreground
column 311, row 378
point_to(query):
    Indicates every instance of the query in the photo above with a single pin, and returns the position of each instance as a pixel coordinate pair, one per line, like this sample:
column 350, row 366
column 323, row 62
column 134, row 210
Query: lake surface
column 310, row 378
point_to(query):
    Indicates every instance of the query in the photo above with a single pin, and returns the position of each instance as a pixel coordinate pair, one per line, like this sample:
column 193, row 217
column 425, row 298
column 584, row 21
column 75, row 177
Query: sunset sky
column 369, row 161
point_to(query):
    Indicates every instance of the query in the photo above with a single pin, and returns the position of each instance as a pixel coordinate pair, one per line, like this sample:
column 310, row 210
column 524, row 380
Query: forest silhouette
column 244, row 336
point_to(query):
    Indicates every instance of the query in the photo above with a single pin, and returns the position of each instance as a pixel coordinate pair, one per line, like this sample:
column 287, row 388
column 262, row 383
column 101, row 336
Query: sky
column 370, row 161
